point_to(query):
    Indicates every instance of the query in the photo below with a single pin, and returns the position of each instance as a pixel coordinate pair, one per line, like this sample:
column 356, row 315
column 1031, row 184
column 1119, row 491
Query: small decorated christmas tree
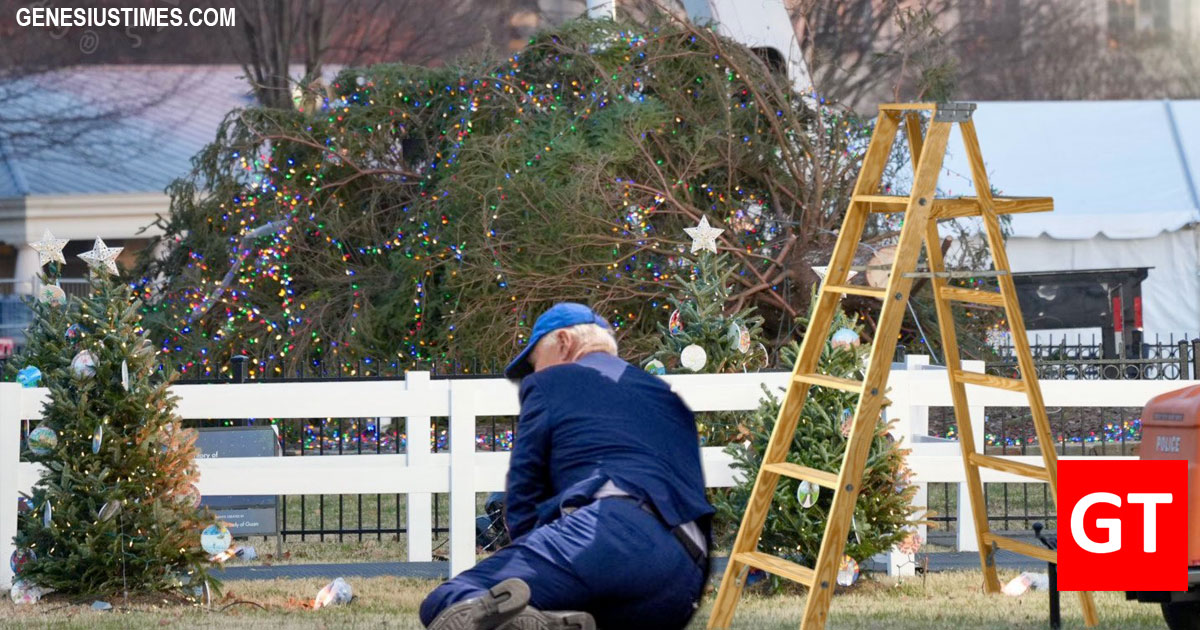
column 116, row 508
column 799, row 511
column 700, row 335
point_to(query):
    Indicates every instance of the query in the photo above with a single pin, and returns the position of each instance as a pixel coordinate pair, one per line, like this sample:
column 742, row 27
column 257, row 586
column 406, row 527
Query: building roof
column 143, row 151
column 1122, row 169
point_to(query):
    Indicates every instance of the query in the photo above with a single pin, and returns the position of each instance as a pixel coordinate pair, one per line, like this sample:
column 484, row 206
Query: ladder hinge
column 954, row 111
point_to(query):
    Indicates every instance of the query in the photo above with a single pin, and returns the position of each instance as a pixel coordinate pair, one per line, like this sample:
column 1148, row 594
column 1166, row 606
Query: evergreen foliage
column 884, row 508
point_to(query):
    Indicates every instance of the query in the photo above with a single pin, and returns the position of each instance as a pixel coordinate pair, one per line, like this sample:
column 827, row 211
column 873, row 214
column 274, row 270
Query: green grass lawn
column 945, row 600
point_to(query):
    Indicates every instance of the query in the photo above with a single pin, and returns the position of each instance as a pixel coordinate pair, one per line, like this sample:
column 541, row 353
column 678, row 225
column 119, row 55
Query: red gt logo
column 1122, row 525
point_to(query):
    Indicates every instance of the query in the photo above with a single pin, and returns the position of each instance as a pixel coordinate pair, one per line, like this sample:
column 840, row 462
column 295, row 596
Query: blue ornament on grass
column 215, row 539
column 29, row 376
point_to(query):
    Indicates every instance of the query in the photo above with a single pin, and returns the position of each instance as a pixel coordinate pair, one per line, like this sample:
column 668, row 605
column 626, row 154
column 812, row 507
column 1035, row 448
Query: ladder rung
column 973, row 296
column 852, row 289
column 803, row 473
column 777, row 566
column 836, row 382
column 966, row 273
column 905, row 107
column 1009, row 466
column 1020, row 546
column 958, row 207
column 989, row 380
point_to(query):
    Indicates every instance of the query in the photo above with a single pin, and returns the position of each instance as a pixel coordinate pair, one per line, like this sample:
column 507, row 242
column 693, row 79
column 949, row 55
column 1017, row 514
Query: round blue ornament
column 215, row 539
column 656, row 367
column 29, row 376
column 74, row 332
column 845, row 338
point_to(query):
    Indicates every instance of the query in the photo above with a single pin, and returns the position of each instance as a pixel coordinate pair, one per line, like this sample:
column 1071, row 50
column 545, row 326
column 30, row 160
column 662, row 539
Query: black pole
column 1055, row 615
column 239, row 368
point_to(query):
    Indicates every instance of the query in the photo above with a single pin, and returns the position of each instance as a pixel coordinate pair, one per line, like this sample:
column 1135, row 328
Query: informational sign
column 244, row 515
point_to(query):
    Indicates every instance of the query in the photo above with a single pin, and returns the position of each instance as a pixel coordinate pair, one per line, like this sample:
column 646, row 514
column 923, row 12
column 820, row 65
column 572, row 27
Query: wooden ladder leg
column 1016, row 321
column 962, row 414
column 862, row 433
column 815, row 336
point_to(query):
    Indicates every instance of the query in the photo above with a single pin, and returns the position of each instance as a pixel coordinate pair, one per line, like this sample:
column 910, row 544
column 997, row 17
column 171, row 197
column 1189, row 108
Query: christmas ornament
column 97, row 438
column 84, row 364
column 49, row 249
column 52, row 294
column 693, row 358
column 910, row 545
column 847, row 571
column 215, row 539
column 704, row 236
column 19, row 558
column 847, row 422
column 110, row 509
column 29, row 376
column 42, row 440
column 190, row 496
column 74, row 332
column 656, row 367
column 125, row 375
column 24, row 505
column 743, row 339
column 675, row 323
column 47, row 513
column 102, row 257
column 845, row 338
column 807, row 493
column 23, row 592
column 883, row 258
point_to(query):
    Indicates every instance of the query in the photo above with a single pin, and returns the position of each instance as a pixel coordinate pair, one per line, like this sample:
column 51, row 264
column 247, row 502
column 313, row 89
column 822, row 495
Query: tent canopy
column 1122, row 169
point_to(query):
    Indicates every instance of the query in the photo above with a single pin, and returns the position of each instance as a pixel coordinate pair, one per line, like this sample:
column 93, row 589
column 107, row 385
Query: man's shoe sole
column 500, row 604
column 534, row 619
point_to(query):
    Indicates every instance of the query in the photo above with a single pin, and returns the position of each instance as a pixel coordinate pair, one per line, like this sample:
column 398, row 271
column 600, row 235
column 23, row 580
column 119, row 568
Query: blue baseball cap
column 560, row 315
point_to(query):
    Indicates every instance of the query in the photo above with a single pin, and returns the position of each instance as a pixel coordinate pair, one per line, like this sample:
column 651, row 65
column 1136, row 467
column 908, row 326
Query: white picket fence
column 462, row 471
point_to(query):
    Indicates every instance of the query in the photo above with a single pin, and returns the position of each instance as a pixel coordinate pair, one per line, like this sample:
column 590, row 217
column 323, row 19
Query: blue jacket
column 596, row 420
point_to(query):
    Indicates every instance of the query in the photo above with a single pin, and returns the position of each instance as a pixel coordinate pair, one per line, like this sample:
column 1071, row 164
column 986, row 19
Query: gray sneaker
column 533, row 619
column 491, row 610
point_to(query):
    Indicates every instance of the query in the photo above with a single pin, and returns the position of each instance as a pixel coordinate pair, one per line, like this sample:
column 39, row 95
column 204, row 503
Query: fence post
column 1183, row 361
column 462, row 476
column 968, row 540
column 913, row 421
column 10, row 462
column 419, row 511
column 1196, row 359
column 239, row 368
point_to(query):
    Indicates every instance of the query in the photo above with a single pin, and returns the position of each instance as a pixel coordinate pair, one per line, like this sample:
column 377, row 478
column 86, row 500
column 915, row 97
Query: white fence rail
column 462, row 471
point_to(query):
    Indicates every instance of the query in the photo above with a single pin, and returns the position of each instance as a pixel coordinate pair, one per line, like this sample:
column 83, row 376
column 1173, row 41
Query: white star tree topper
column 49, row 249
column 704, row 236
column 102, row 256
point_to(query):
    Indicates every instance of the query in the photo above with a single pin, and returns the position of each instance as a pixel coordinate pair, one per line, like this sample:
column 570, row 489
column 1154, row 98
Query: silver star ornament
column 49, row 249
column 704, row 236
column 102, row 256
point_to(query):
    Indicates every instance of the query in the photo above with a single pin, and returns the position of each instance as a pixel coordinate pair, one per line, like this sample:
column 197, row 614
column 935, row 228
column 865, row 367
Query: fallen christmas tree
column 422, row 216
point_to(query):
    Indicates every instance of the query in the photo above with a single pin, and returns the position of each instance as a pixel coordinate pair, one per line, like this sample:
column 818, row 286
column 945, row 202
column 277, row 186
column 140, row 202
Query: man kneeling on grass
column 605, row 497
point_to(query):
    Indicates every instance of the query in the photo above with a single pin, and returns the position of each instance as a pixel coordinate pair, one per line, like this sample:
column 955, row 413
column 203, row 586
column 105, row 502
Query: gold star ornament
column 102, row 257
column 49, row 249
column 704, row 236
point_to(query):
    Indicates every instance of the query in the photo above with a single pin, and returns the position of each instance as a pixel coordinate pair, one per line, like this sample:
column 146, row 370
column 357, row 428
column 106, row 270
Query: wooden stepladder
column 921, row 214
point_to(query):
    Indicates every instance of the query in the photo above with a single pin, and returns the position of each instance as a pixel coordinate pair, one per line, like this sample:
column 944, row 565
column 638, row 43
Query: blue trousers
column 609, row 558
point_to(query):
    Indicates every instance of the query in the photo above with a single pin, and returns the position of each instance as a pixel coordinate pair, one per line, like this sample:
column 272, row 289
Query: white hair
column 593, row 338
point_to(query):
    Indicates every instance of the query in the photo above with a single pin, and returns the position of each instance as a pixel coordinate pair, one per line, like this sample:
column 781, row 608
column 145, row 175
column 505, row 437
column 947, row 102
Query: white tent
column 1124, row 177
